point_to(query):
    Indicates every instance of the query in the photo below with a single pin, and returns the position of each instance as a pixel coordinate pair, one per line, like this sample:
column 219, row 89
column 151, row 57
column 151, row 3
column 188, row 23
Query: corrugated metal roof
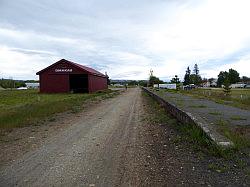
column 84, row 68
column 88, row 69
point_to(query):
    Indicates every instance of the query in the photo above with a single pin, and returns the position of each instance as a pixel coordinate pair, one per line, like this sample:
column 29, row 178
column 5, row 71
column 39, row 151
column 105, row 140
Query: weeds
column 215, row 113
column 247, row 172
column 240, row 140
column 221, row 122
column 28, row 107
column 218, row 168
column 238, row 98
column 197, row 106
column 241, row 163
column 237, row 118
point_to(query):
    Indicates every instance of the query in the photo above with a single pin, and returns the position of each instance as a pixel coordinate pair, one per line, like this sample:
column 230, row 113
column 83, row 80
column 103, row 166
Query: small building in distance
column 238, row 85
column 210, row 83
column 32, row 85
column 65, row 76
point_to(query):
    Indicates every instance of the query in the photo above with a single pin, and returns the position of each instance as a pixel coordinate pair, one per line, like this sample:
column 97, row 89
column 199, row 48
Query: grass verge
column 198, row 106
column 215, row 113
column 240, row 136
column 28, row 107
column 237, row 118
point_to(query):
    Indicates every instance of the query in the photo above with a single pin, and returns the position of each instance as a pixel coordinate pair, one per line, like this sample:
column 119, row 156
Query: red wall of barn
column 97, row 83
column 54, row 83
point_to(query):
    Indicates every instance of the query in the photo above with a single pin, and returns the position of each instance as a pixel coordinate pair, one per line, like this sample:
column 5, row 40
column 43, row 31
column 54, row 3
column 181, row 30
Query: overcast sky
column 125, row 38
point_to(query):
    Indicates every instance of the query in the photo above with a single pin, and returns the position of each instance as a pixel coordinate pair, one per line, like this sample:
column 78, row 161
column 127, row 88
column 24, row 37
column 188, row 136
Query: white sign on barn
column 167, row 86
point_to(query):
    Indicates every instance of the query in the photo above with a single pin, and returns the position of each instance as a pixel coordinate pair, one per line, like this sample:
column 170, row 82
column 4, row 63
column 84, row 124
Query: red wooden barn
column 67, row 76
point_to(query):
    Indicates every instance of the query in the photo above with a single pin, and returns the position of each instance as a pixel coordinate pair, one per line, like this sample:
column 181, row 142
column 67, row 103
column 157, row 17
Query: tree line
column 224, row 78
column 10, row 83
column 193, row 78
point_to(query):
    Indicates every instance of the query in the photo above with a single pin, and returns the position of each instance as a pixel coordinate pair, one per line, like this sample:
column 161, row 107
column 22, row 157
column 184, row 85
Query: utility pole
column 151, row 72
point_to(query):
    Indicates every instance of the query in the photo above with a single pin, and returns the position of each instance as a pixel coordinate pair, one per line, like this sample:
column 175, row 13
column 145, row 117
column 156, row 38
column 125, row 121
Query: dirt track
column 113, row 144
column 92, row 151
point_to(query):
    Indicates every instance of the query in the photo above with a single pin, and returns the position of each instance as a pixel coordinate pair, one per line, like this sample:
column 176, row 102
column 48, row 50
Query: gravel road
column 89, row 152
column 115, row 143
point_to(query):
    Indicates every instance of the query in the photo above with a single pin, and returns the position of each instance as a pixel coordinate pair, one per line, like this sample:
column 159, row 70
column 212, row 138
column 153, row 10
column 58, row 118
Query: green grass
column 248, row 172
column 215, row 113
column 241, row 141
column 25, row 107
column 220, row 168
column 238, row 97
column 237, row 118
column 198, row 106
column 239, row 136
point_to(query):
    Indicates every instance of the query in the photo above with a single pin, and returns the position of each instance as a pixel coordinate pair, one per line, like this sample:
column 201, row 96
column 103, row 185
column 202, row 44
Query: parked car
column 189, row 87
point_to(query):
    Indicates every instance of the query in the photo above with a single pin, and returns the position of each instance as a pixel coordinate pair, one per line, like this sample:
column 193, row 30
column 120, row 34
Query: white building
column 238, row 85
column 166, row 86
column 211, row 83
column 32, row 85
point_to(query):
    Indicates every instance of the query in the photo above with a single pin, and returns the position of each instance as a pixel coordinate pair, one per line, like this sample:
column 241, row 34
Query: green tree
column 195, row 78
column 154, row 80
column 143, row 83
column 175, row 80
column 7, row 83
column 227, row 88
column 19, row 84
column 196, row 70
column 132, row 83
column 187, row 77
column 211, row 80
column 221, row 78
column 233, row 76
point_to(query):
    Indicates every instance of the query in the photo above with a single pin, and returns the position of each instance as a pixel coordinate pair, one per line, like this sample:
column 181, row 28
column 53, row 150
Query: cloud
column 126, row 38
column 19, row 65
column 29, row 51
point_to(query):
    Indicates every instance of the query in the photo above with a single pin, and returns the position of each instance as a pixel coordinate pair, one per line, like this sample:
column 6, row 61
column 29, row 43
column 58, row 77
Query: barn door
column 78, row 83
